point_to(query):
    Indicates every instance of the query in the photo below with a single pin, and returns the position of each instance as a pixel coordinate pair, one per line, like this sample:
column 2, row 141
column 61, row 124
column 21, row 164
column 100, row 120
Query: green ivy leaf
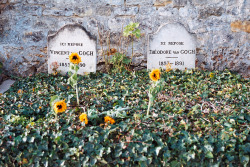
column 141, row 158
column 244, row 159
column 31, row 140
column 157, row 150
column 209, row 155
column 175, row 163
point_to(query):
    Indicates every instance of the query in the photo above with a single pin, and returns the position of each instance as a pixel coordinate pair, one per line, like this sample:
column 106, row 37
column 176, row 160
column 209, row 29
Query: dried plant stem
column 103, row 55
column 119, row 49
column 127, row 45
column 132, row 50
column 100, row 40
column 109, row 45
column 108, row 51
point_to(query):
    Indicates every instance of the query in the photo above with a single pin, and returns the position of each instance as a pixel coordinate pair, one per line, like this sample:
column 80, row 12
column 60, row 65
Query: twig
column 100, row 40
column 120, row 39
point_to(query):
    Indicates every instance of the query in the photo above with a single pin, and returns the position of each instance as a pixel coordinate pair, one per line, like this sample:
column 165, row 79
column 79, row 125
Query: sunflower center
column 154, row 75
column 74, row 57
column 59, row 107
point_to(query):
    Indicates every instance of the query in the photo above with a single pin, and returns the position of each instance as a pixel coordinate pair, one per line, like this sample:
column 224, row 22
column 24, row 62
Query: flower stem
column 149, row 105
column 77, row 98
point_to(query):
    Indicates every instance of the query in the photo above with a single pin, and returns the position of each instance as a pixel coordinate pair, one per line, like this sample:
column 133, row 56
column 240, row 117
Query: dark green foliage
column 119, row 62
column 195, row 121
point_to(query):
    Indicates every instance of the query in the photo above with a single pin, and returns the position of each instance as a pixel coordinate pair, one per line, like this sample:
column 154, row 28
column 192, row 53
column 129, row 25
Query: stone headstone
column 71, row 38
column 173, row 44
column 6, row 85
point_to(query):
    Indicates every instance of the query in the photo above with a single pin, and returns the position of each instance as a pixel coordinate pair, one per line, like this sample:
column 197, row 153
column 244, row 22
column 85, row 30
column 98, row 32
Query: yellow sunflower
column 75, row 58
column 109, row 119
column 211, row 75
column 83, row 117
column 168, row 67
column 155, row 75
column 20, row 91
column 25, row 161
column 60, row 106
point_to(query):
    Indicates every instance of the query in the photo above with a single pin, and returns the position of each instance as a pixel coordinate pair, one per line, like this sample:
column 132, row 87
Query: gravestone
column 71, row 38
column 173, row 44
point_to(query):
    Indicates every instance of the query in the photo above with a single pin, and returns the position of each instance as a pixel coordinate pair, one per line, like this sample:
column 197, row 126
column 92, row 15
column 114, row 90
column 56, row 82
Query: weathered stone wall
column 221, row 28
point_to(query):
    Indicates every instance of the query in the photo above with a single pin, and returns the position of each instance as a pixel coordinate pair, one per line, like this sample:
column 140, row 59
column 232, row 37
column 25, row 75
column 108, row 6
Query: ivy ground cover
column 198, row 119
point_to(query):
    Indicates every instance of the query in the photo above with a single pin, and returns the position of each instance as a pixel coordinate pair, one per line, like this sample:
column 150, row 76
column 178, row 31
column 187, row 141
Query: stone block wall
column 221, row 29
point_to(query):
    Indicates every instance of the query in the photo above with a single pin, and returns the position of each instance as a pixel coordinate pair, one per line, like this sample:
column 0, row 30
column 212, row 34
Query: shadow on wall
column 3, row 21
